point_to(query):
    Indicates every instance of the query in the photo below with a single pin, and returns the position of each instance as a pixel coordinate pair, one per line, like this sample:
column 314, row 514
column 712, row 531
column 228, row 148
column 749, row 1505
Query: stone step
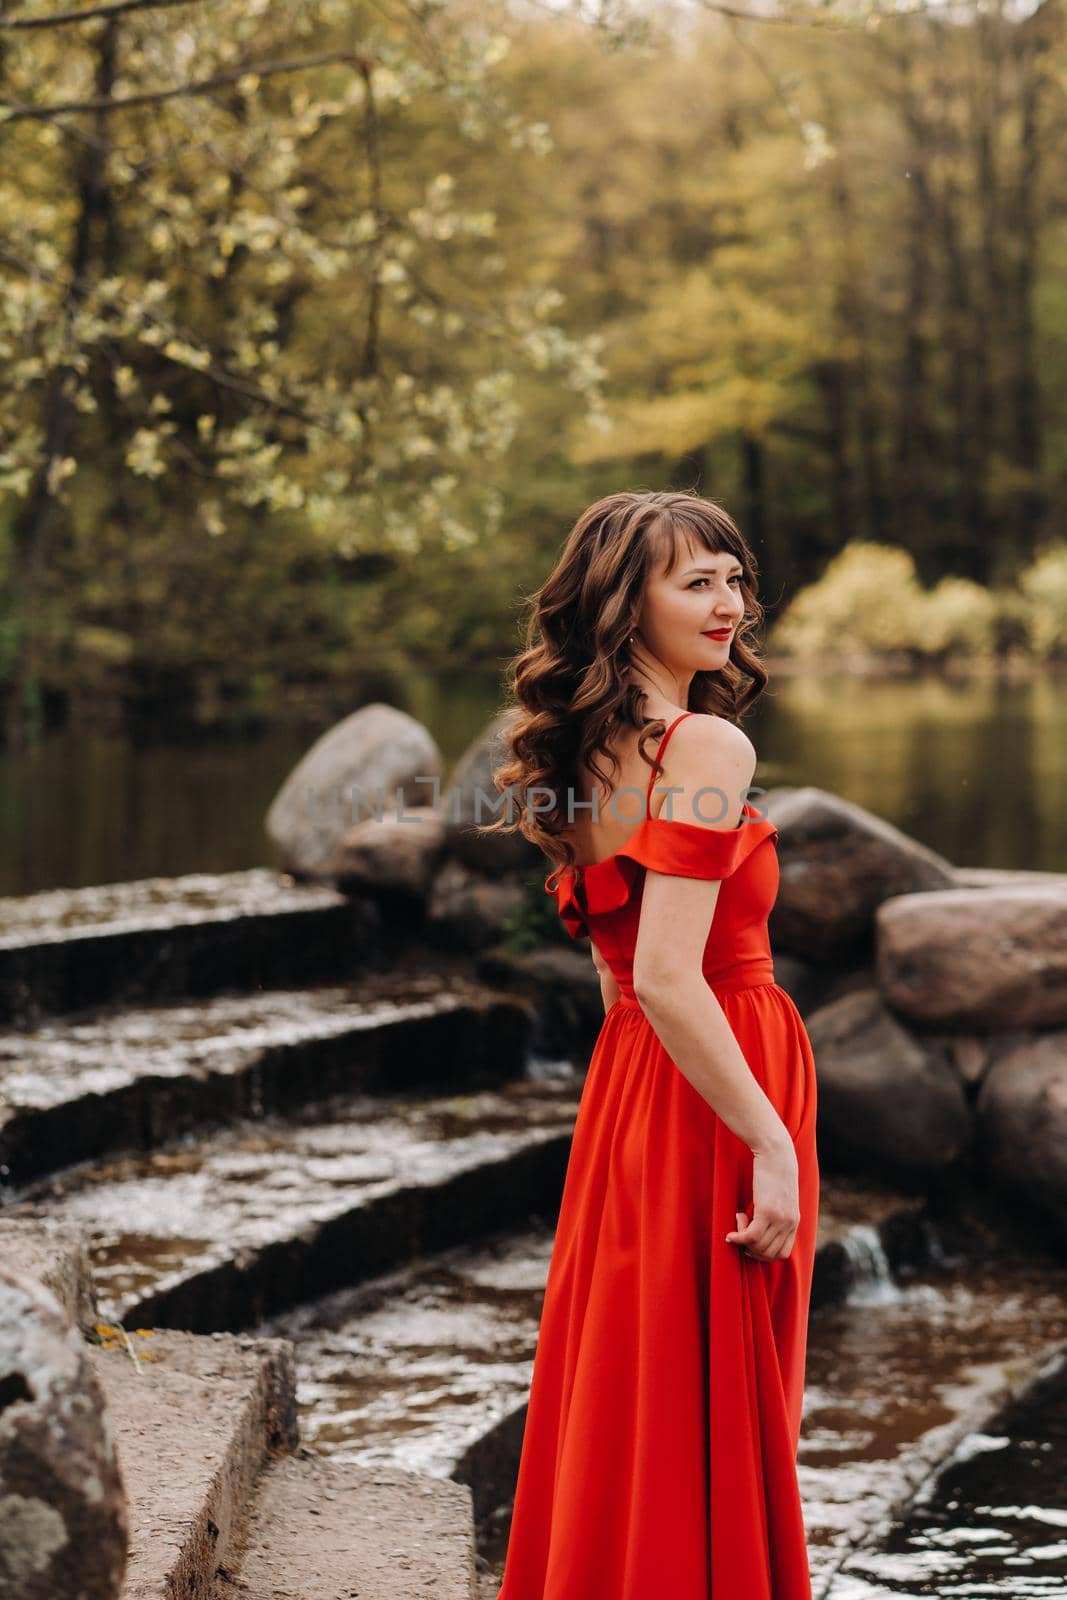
column 195, row 1418
column 66, row 950
column 220, row 1232
column 71, row 1092
column 223, row 1499
column 56, row 1256
column 428, row 1368
column 330, row 1530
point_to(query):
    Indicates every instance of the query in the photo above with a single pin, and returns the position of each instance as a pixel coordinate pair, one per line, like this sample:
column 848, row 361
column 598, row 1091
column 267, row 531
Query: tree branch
column 59, row 18
column 266, row 69
column 215, row 370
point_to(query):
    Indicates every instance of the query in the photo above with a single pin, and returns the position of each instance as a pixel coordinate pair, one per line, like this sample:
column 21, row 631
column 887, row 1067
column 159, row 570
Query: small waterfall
column 549, row 1069
column 870, row 1278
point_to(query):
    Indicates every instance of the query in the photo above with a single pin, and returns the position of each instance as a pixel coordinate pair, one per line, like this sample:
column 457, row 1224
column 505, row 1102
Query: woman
column 659, row 1454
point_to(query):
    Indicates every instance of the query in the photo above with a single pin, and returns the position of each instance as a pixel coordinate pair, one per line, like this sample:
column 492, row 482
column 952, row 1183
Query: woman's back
column 606, row 815
column 602, row 897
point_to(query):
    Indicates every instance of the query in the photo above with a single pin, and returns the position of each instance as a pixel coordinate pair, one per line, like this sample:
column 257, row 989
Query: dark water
column 976, row 770
column 888, row 1374
column 998, row 1523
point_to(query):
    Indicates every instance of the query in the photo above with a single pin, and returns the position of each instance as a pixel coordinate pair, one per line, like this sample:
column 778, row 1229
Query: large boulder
column 888, row 1103
column 396, row 857
column 471, row 798
column 1022, row 1118
column 470, row 912
column 810, row 986
column 378, row 759
column 976, row 959
column 837, row 863
column 64, row 1521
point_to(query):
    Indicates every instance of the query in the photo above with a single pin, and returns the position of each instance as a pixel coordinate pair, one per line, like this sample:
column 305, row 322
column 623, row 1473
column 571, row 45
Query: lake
column 976, row 769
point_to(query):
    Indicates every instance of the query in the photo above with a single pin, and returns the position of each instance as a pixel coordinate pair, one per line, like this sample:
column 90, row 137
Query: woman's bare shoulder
column 702, row 735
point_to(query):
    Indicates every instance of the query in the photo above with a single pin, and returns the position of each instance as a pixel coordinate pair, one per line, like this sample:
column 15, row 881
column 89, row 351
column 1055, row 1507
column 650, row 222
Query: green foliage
column 869, row 600
column 535, row 922
column 306, row 366
column 281, row 310
column 958, row 618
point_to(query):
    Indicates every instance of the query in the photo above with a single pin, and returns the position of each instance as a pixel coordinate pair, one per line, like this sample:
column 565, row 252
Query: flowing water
column 430, row 1369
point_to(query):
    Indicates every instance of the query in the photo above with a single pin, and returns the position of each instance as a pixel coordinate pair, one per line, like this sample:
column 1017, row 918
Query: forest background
column 320, row 321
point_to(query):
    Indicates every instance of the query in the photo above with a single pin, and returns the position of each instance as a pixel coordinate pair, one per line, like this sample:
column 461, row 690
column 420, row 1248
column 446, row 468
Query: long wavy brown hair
column 569, row 693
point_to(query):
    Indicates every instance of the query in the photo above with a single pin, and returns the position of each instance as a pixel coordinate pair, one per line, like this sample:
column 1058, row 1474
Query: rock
column 969, row 1054
column 886, row 1103
column 64, row 1521
column 394, row 856
column 980, row 960
column 1005, row 878
column 55, row 1256
column 564, row 986
column 837, row 863
column 372, row 761
column 466, row 912
column 471, row 797
column 802, row 982
column 810, row 986
column 1022, row 1118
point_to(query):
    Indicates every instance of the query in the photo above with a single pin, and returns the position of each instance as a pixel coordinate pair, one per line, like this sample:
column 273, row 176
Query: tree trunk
column 1023, row 385
column 38, row 522
column 754, row 488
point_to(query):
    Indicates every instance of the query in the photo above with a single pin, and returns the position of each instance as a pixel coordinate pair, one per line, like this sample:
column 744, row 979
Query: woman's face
column 682, row 611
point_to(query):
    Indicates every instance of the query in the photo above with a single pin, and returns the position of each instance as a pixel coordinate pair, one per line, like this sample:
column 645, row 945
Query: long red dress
column 659, row 1455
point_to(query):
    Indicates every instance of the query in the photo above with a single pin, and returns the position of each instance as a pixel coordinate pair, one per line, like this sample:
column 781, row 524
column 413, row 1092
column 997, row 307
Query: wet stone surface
column 56, row 1061
column 155, row 903
column 415, row 1368
column 159, row 1217
column 995, row 1523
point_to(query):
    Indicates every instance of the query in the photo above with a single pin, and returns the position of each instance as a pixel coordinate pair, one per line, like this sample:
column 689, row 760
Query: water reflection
column 995, row 1522
column 976, row 770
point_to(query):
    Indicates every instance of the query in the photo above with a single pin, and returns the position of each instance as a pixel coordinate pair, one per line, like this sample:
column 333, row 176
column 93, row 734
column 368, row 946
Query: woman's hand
column 775, row 1205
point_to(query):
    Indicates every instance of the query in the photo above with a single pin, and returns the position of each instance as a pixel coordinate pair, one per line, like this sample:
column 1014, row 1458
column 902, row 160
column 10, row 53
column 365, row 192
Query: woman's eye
column 738, row 577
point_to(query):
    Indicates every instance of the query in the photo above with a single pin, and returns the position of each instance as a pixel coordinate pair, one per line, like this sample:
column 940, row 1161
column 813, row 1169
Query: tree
column 242, row 271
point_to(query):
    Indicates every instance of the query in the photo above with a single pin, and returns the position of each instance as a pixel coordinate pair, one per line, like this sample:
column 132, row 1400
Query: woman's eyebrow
column 709, row 572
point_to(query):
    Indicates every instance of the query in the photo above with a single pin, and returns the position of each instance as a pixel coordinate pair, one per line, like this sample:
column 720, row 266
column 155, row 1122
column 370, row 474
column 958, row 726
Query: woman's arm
column 675, row 920
column 676, row 916
column 609, row 989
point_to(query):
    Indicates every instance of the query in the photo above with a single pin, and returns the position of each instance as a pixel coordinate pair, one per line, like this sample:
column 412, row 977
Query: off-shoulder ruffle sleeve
column 689, row 850
column 567, row 901
column 681, row 849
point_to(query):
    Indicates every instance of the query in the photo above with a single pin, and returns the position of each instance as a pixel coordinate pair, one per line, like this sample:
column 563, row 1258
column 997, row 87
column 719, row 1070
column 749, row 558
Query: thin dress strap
column 659, row 756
